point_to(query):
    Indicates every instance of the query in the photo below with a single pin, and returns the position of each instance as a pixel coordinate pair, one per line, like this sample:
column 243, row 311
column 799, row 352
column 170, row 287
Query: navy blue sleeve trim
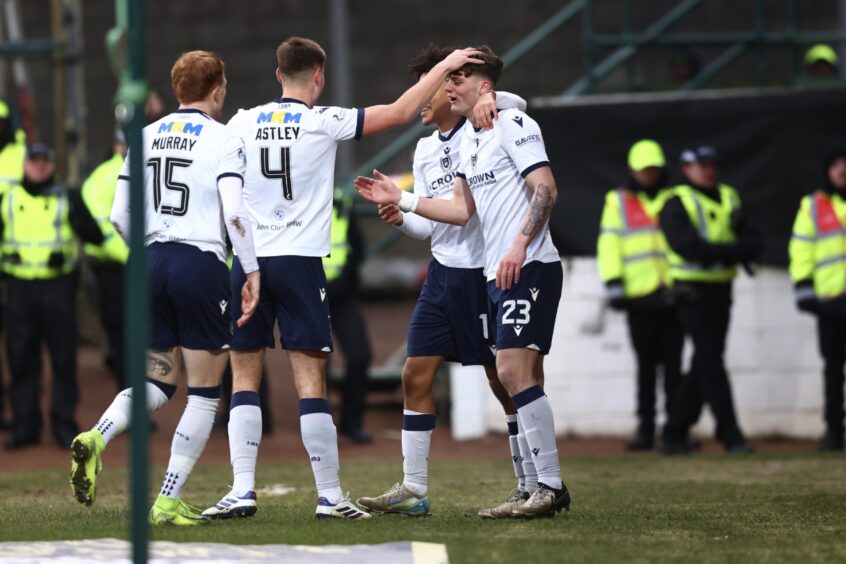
column 232, row 174
column 359, row 124
column 123, row 177
column 461, row 175
column 533, row 168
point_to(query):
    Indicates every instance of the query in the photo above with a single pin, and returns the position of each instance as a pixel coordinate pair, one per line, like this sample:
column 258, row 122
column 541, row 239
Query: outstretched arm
column 545, row 193
column 406, row 107
column 457, row 210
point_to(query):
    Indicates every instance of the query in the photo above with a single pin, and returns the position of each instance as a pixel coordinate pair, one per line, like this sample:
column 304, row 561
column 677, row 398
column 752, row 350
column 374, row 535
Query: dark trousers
column 705, row 311
column 42, row 311
column 657, row 338
column 351, row 335
column 831, row 332
column 2, row 382
column 109, row 277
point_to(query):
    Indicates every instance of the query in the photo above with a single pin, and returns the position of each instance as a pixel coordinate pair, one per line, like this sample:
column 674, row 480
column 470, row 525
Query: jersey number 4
column 164, row 175
column 283, row 172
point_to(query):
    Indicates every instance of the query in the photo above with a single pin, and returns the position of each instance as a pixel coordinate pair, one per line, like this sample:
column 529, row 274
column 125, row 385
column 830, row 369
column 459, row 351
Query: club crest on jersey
column 446, row 160
column 278, row 117
column 185, row 127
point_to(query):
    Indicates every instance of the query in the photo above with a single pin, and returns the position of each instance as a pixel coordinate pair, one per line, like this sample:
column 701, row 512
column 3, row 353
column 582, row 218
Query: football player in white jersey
column 505, row 177
column 283, row 152
column 450, row 320
column 189, row 281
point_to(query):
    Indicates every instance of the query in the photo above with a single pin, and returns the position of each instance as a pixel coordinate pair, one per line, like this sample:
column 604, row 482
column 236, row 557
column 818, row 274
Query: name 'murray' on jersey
column 177, row 142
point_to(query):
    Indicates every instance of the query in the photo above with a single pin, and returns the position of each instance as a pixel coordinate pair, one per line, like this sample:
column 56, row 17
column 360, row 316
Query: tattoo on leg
column 539, row 209
column 158, row 364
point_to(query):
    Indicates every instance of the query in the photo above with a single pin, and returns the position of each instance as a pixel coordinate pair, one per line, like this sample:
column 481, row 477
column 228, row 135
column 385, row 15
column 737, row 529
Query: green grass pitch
column 716, row 508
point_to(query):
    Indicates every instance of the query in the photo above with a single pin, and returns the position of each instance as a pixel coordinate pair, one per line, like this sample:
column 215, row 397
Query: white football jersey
column 285, row 153
column 436, row 160
column 494, row 163
column 182, row 205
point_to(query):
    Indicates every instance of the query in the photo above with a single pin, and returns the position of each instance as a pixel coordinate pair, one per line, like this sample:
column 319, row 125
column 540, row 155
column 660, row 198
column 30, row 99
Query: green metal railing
column 627, row 45
column 413, row 133
column 125, row 44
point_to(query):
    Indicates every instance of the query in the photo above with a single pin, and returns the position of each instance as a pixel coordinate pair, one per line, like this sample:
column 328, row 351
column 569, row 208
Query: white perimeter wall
column 772, row 357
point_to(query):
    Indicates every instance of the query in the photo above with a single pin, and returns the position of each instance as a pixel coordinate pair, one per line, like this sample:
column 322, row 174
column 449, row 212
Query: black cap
column 700, row 154
column 39, row 149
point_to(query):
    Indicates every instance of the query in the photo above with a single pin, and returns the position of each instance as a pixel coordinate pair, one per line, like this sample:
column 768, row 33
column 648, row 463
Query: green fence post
column 129, row 110
column 761, row 46
column 587, row 45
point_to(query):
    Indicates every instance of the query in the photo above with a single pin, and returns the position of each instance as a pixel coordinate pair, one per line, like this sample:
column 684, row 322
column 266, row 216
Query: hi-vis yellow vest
column 631, row 246
column 98, row 193
column 818, row 244
column 713, row 222
column 11, row 162
column 34, row 228
column 333, row 265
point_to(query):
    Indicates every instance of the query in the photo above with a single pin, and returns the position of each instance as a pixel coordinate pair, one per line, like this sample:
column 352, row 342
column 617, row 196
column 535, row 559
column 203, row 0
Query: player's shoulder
column 512, row 119
column 429, row 143
column 330, row 113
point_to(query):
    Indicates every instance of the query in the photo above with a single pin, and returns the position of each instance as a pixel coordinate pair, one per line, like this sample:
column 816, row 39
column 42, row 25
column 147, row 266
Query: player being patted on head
column 505, row 177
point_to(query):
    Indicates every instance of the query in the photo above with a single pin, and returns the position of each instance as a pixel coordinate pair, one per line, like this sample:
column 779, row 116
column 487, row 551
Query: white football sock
column 530, row 475
column 116, row 418
column 244, row 439
column 320, row 439
column 536, row 421
column 416, row 440
column 514, row 445
column 189, row 440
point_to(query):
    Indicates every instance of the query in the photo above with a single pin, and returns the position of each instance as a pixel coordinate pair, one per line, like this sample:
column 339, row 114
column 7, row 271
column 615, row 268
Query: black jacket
column 81, row 220
column 684, row 239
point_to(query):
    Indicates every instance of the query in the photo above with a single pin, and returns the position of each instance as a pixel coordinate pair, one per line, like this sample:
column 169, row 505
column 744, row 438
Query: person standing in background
column 341, row 267
column 40, row 221
column 818, row 271
column 107, row 264
column 708, row 237
column 12, row 153
column 632, row 256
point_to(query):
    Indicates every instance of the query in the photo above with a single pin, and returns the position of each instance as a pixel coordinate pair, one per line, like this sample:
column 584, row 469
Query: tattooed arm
column 545, row 193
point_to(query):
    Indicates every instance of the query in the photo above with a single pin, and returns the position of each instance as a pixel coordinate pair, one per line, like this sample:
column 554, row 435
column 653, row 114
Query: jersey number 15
column 164, row 175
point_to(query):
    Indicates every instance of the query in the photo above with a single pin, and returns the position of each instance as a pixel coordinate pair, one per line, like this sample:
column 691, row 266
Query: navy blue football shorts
column 189, row 293
column 451, row 317
column 293, row 294
column 525, row 314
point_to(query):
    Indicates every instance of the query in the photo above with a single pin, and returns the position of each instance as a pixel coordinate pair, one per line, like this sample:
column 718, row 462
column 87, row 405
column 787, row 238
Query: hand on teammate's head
column 461, row 57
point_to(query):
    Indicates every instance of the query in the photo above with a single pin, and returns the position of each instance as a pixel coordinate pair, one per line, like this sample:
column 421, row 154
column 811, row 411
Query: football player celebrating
column 189, row 281
column 505, row 176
